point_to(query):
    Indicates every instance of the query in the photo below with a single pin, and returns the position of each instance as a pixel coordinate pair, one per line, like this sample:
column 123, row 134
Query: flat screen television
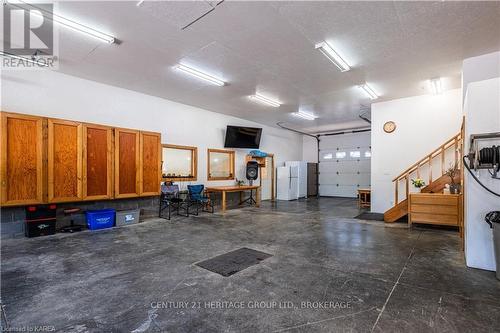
column 242, row 137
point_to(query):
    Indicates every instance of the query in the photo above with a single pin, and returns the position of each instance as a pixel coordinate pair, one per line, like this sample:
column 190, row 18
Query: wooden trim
column 396, row 197
column 272, row 175
column 194, row 163
column 407, row 186
column 273, row 178
column 50, row 175
column 4, row 201
column 231, row 162
column 109, row 171
column 443, row 158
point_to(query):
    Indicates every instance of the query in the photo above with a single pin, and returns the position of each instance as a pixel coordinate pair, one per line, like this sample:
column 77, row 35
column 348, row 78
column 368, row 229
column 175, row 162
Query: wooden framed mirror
column 179, row 163
column 220, row 164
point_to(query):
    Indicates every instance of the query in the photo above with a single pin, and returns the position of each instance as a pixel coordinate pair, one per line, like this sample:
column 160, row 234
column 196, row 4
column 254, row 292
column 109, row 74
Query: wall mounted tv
column 242, row 137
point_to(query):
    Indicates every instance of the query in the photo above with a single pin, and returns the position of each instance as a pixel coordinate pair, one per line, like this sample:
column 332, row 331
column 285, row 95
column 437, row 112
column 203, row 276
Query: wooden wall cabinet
column 127, row 163
column 21, row 159
column 97, row 162
column 150, row 162
column 44, row 160
column 64, row 161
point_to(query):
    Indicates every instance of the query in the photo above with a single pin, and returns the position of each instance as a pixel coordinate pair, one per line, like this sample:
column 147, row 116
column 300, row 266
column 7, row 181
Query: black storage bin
column 40, row 220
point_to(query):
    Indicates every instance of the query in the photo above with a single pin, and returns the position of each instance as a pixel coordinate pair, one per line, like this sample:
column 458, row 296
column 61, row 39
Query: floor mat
column 232, row 262
column 370, row 216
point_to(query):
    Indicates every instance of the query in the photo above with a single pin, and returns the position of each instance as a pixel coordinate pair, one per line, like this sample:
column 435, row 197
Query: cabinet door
column 127, row 171
column 97, row 162
column 150, row 163
column 21, row 159
column 64, row 160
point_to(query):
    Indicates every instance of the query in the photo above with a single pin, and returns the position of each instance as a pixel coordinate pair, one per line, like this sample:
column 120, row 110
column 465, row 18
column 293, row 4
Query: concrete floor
column 137, row 278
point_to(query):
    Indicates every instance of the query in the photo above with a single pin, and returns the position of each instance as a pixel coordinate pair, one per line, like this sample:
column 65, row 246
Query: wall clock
column 389, row 127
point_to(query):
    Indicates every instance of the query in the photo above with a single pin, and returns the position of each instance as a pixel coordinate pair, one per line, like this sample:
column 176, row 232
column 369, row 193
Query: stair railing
column 455, row 142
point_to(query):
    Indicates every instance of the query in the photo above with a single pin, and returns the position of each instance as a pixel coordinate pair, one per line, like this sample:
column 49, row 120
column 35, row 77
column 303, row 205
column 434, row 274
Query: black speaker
column 252, row 170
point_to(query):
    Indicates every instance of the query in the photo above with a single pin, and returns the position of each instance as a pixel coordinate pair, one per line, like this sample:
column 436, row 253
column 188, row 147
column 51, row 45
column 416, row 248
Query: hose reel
column 485, row 158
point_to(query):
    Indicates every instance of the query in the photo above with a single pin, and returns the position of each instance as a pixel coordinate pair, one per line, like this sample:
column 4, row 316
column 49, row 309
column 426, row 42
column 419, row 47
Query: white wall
column 482, row 113
column 423, row 124
column 483, row 67
column 53, row 94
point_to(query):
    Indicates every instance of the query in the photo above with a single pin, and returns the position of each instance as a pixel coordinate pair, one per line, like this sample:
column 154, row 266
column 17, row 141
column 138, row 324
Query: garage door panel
column 343, row 176
column 364, row 164
column 345, row 168
column 364, row 179
column 340, row 167
column 347, row 180
column 338, row 191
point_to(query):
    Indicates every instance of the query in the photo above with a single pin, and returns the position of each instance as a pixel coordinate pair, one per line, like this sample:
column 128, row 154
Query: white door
column 344, row 164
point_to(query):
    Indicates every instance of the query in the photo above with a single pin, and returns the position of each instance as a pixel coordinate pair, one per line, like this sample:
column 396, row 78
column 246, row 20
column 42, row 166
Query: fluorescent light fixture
column 436, row 86
column 265, row 100
column 31, row 61
column 200, row 75
column 305, row 115
column 140, row 3
column 369, row 91
column 333, row 56
column 74, row 25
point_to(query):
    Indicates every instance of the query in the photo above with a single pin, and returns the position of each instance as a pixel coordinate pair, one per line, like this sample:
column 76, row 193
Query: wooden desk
column 227, row 189
column 364, row 197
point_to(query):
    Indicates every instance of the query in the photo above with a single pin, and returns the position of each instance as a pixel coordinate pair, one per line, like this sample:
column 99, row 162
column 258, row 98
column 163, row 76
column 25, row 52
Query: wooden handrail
column 428, row 158
column 455, row 142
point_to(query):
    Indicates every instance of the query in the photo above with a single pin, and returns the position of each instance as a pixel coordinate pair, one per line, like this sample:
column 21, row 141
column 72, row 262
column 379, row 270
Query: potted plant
column 418, row 183
column 452, row 172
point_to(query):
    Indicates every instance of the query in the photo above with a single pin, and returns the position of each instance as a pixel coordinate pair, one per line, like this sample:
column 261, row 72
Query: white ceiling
column 268, row 47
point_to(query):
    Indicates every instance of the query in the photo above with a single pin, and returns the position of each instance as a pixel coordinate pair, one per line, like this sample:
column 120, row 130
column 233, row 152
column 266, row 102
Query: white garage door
column 344, row 164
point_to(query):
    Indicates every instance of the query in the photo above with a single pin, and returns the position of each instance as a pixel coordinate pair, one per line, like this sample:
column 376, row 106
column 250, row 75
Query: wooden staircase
column 431, row 165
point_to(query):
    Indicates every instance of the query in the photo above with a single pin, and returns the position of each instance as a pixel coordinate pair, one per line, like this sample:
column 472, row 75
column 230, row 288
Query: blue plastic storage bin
column 100, row 219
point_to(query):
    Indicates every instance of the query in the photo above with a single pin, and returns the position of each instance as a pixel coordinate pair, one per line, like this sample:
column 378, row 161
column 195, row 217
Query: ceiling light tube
column 31, row 61
column 304, row 115
column 73, row 25
column 200, row 75
column 369, row 91
column 436, row 86
column 333, row 56
column 139, row 3
column 265, row 100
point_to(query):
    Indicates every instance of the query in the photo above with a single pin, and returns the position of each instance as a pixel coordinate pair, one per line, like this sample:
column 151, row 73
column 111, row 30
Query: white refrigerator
column 286, row 183
column 302, row 177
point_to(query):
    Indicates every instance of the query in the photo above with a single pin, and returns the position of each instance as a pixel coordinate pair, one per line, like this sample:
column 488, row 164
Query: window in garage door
column 344, row 164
